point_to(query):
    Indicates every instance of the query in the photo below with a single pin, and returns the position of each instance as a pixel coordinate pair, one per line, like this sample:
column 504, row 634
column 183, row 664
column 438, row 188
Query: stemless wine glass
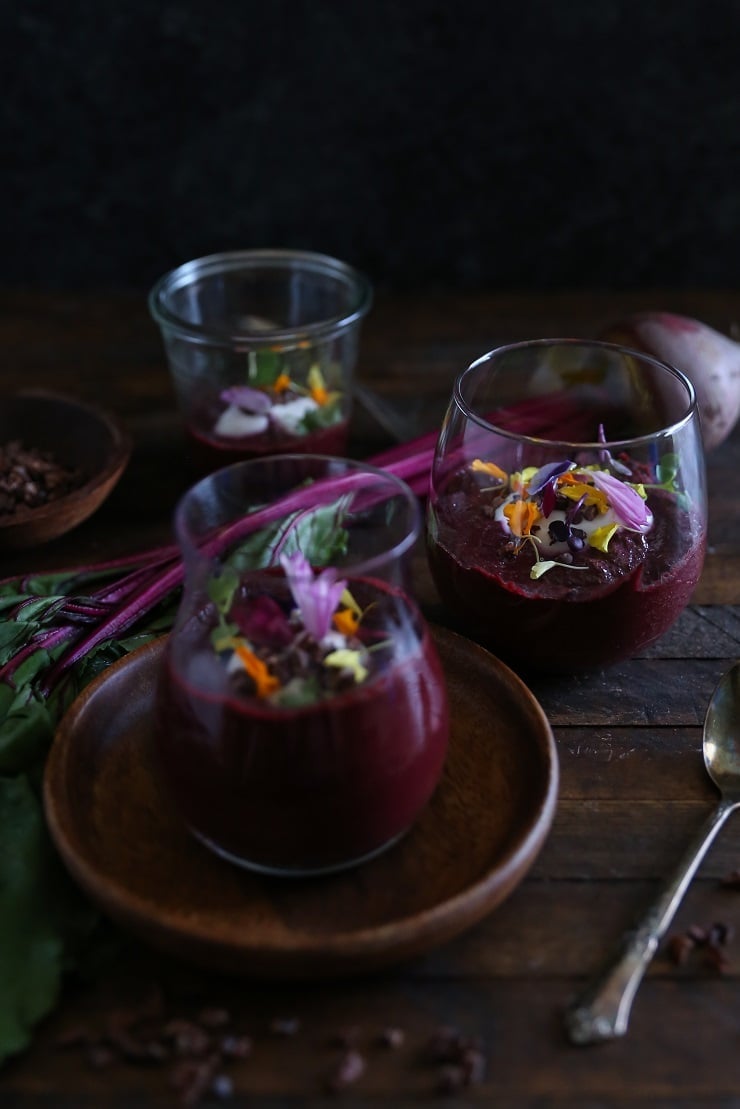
column 566, row 526
column 302, row 710
column 262, row 346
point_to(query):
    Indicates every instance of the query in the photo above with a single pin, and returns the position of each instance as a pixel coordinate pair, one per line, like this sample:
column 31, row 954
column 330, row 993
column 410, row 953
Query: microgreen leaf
column 222, row 587
column 667, row 469
column 324, row 416
column 263, row 367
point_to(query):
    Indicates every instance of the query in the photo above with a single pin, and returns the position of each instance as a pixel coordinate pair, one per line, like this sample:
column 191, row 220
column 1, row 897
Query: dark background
column 580, row 144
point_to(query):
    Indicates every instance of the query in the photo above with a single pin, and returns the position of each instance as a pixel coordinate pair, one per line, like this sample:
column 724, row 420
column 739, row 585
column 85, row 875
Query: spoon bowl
column 602, row 1011
column 722, row 734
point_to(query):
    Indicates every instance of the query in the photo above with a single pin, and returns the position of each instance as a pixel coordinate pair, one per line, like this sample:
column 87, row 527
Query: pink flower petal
column 629, row 507
column 316, row 597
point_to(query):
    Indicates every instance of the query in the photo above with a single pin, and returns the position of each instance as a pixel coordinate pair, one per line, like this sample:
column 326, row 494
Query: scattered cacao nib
column 716, row 959
column 30, row 478
column 711, row 941
column 214, row 1018
column 392, row 1037
column 348, row 1070
column 462, row 1059
column 720, row 934
column 444, row 1045
column 679, row 948
column 696, row 934
column 285, row 1026
column 222, row 1087
column 451, row 1079
column 347, row 1037
column 235, row 1047
column 99, row 1056
column 78, row 1035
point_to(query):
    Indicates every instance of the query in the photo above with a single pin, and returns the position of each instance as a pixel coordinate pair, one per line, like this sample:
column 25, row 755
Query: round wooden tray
column 120, row 837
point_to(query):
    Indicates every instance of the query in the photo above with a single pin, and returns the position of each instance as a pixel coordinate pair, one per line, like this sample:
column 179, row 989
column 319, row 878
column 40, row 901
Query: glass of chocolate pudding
column 566, row 526
column 302, row 717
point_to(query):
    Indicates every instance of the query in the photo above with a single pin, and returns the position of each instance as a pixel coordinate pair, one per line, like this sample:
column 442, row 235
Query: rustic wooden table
column 632, row 792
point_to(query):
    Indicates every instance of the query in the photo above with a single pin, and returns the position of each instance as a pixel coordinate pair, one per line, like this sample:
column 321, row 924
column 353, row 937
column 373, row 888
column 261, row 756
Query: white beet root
column 709, row 359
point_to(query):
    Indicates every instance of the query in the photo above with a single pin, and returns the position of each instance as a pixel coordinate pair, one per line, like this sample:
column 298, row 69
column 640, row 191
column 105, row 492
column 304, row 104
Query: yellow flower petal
column 599, row 537
column 349, row 602
column 347, row 660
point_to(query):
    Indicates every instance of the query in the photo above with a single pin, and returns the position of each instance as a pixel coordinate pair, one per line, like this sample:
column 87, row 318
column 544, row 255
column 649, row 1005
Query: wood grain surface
column 632, row 783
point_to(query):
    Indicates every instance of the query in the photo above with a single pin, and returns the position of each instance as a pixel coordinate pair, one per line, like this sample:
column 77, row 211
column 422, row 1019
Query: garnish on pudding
column 560, row 509
column 294, row 653
column 273, row 401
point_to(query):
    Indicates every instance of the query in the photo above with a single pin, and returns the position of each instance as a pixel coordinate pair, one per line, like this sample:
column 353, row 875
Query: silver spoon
column 602, row 1011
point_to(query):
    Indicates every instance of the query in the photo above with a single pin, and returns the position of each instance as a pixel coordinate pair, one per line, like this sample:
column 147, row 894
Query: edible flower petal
column 282, row 383
column 541, row 566
column 265, row 682
column 580, row 491
column 522, row 515
column 317, row 386
column 546, row 474
column 599, row 537
column 346, row 621
column 316, row 597
column 247, row 398
column 478, row 466
column 349, row 602
column 608, row 459
column 626, row 502
column 347, row 660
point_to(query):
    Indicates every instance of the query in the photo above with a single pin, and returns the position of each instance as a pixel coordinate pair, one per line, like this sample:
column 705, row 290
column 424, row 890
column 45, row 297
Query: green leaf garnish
column 263, row 368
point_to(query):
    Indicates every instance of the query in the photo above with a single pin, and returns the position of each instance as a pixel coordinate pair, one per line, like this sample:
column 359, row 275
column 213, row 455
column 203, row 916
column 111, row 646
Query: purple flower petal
column 606, row 459
column 316, row 597
column 545, row 474
column 246, row 398
column 629, row 507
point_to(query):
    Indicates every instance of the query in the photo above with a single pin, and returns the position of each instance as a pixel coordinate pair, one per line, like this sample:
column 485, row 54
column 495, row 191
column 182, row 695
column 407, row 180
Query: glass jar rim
column 356, row 568
column 231, row 261
column 615, row 348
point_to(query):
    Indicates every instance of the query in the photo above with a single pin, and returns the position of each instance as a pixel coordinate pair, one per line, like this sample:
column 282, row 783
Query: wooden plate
column 123, row 842
column 79, row 435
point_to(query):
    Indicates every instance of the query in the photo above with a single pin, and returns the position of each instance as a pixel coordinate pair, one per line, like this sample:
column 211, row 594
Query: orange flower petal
column 346, row 621
column 265, row 682
column 282, row 382
column 522, row 515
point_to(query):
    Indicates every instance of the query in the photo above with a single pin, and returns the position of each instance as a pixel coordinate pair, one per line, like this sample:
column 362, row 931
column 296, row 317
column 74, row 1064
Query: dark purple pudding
column 590, row 605
column 209, row 452
column 312, row 786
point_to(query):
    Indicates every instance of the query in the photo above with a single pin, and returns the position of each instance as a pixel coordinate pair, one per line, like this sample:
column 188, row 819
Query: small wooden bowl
column 79, row 435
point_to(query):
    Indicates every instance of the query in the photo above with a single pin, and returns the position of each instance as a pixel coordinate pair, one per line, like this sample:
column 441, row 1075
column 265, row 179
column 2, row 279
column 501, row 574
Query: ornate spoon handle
column 601, row 1012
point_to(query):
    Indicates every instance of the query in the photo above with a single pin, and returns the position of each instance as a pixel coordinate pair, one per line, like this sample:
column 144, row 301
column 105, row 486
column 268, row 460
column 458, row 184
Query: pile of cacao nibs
column 30, row 478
